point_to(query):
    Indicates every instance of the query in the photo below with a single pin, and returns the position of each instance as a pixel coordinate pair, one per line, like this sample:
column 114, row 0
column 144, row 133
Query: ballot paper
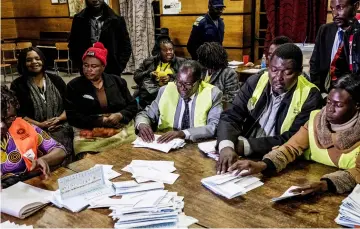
column 235, row 63
column 163, row 147
column 230, row 185
column 208, row 148
column 22, row 200
column 78, row 190
column 109, row 173
column 287, row 194
column 349, row 212
column 144, row 171
column 120, row 189
column 8, row 224
column 251, row 71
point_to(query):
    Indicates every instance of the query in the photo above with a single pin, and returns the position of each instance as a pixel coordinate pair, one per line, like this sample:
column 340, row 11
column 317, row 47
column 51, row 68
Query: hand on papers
column 253, row 167
column 226, row 159
column 146, row 133
column 43, row 166
column 167, row 137
column 312, row 188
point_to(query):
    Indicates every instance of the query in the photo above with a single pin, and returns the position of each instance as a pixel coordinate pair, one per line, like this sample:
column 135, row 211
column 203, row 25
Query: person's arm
column 129, row 112
column 124, row 51
column 315, row 64
column 209, row 130
column 195, row 40
column 263, row 145
column 231, row 86
column 142, row 72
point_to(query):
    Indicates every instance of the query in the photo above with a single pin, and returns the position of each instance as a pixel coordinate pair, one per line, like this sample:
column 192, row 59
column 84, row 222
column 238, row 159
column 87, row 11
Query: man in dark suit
column 328, row 41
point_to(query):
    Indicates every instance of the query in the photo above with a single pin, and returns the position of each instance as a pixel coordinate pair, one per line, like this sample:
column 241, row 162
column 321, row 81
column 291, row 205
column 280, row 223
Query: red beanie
column 98, row 51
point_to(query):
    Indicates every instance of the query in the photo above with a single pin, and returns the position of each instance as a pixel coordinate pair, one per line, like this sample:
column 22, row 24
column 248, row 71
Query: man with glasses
column 207, row 28
column 330, row 42
column 187, row 108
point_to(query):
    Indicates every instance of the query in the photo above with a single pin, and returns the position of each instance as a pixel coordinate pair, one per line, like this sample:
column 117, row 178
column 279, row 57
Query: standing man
column 329, row 41
column 207, row 28
column 98, row 22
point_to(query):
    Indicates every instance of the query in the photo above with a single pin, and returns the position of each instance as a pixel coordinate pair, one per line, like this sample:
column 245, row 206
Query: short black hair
column 21, row 67
column 280, row 40
column 165, row 40
column 212, row 55
column 8, row 99
column 351, row 84
column 292, row 52
column 195, row 68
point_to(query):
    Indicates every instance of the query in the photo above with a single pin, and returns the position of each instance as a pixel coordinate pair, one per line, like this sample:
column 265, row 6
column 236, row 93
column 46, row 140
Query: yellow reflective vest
column 169, row 101
column 299, row 97
column 314, row 153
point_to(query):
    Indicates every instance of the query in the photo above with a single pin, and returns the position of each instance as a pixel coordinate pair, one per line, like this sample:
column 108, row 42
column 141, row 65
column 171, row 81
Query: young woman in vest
column 24, row 146
column 215, row 60
column 41, row 96
column 331, row 137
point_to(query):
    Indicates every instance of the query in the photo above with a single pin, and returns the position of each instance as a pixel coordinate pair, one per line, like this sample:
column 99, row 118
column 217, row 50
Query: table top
column 251, row 210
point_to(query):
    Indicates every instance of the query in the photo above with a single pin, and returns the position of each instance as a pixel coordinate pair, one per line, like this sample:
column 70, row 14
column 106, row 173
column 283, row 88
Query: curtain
column 139, row 18
column 297, row 19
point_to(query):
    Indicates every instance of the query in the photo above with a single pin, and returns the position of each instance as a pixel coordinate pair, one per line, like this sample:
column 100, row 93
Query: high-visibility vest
column 314, row 153
column 299, row 97
column 169, row 101
column 26, row 140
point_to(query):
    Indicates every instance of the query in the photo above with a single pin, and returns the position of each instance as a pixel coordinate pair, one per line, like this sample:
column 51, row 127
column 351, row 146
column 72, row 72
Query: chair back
column 23, row 45
column 62, row 46
column 8, row 48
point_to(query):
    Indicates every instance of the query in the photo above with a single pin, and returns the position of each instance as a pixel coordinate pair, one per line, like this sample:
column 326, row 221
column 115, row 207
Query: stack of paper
column 234, row 64
column 8, row 224
column 22, row 200
column 144, row 171
column 109, row 173
column 208, row 148
column 164, row 147
column 127, row 187
column 230, row 186
column 349, row 213
column 287, row 194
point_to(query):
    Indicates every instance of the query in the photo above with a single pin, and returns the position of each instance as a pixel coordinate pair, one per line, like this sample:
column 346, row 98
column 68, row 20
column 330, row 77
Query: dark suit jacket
column 114, row 36
column 321, row 56
column 82, row 105
column 239, row 121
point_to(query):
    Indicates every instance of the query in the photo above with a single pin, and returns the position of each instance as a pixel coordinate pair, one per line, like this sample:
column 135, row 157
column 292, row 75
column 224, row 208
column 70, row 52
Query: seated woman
column 24, row 146
column 97, row 99
column 41, row 96
column 331, row 137
column 157, row 71
column 215, row 60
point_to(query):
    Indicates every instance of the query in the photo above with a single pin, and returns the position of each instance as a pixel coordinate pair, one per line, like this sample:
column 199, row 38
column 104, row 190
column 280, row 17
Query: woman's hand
column 42, row 165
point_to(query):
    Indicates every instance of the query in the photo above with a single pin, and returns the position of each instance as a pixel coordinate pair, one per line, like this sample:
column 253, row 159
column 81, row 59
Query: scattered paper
column 349, row 212
column 8, row 224
column 250, row 71
column 109, row 174
column 235, row 63
column 208, row 148
column 287, row 194
column 164, row 147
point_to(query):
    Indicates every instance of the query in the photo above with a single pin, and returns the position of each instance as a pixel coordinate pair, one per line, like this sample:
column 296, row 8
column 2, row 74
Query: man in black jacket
column 268, row 110
column 329, row 40
column 98, row 22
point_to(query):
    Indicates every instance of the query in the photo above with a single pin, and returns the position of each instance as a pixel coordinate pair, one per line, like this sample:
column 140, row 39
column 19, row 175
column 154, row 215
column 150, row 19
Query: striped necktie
column 185, row 123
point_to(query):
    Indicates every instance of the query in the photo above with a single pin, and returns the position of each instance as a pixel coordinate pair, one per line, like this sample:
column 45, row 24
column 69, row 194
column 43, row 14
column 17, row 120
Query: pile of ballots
column 349, row 212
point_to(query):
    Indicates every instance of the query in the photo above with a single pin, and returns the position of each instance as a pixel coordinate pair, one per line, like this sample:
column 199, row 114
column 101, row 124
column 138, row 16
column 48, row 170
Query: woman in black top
column 41, row 97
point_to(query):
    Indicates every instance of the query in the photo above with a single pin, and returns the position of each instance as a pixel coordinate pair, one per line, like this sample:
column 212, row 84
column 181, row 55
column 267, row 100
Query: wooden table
column 251, row 210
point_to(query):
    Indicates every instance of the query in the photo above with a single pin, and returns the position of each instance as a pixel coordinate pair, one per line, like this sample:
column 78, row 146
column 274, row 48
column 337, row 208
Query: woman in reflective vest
column 24, row 147
column 331, row 137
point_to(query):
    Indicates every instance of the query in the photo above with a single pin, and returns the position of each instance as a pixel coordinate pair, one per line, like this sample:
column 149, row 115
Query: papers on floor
column 8, row 224
column 22, row 200
column 160, row 171
column 208, row 148
column 231, row 186
column 235, row 64
column 349, row 213
column 164, row 147
column 78, row 190
column 287, row 194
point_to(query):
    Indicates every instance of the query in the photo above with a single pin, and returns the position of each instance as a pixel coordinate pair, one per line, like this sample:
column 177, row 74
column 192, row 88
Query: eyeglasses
column 185, row 85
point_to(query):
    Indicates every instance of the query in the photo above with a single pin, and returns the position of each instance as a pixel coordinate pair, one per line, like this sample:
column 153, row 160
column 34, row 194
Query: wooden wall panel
column 32, row 28
column 201, row 6
column 39, row 8
column 8, row 29
column 180, row 28
column 7, row 9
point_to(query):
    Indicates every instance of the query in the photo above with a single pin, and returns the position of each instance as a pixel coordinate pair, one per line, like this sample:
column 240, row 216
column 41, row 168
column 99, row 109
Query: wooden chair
column 23, row 45
column 3, row 71
column 63, row 46
column 8, row 48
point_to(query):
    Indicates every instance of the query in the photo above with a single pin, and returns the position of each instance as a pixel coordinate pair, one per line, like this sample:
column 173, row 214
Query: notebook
column 22, row 200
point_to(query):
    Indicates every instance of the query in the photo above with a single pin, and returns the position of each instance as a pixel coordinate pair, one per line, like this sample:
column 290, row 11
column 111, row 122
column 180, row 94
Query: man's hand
column 42, row 165
column 253, row 167
column 146, row 133
column 112, row 120
column 165, row 138
column 315, row 187
column 226, row 159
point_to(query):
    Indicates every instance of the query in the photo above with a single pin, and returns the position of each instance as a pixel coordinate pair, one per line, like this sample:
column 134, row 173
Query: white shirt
column 336, row 44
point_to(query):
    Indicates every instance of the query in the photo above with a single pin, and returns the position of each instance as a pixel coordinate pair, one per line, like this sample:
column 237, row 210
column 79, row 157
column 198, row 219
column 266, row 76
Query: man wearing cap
column 207, row 28
column 98, row 99
column 98, row 22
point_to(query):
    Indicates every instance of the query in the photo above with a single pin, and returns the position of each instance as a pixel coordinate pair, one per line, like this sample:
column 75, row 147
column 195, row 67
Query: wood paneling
column 8, row 29
column 39, row 8
column 7, row 8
